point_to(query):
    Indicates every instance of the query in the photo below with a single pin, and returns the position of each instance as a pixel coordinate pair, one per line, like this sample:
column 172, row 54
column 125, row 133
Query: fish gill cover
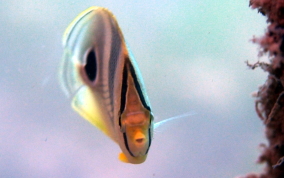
column 269, row 102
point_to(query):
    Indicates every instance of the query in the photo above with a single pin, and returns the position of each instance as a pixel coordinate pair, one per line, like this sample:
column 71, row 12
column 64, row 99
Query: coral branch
column 270, row 97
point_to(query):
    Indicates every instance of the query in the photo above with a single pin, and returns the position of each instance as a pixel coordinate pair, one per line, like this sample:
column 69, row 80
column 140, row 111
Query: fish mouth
column 140, row 140
column 139, row 144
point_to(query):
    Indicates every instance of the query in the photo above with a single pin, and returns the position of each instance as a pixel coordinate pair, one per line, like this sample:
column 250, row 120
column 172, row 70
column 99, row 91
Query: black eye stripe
column 150, row 139
column 91, row 65
column 126, row 144
column 123, row 88
column 138, row 88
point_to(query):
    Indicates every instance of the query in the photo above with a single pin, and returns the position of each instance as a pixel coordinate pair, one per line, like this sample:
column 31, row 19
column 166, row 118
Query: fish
column 106, row 86
column 100, row 74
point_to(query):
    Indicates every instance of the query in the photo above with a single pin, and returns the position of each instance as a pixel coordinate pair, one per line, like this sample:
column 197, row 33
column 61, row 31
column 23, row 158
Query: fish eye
column 91, row 65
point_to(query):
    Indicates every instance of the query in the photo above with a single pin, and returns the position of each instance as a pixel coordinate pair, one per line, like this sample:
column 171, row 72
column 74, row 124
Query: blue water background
column 191, row 55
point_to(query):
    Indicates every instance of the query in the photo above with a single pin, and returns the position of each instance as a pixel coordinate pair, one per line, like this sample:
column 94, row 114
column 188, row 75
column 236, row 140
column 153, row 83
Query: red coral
column 270, row 97
column 273, row 9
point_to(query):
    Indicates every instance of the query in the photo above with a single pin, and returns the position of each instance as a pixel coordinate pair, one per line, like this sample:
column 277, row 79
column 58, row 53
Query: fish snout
column 140, row 146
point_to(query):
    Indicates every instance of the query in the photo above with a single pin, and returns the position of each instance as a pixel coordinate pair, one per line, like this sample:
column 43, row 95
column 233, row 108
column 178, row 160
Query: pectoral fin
column 157, row 125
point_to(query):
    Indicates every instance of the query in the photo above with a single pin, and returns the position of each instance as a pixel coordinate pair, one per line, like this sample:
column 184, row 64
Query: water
column 191, row 55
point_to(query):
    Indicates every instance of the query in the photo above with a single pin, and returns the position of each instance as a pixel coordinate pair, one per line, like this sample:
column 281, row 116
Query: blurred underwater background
column 192, row 58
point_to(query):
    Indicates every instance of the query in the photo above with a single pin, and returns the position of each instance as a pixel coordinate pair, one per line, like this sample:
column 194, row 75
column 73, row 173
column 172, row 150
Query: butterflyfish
column 101, row 76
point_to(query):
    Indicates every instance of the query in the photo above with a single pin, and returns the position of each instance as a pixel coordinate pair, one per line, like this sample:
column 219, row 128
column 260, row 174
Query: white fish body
column 103, row 79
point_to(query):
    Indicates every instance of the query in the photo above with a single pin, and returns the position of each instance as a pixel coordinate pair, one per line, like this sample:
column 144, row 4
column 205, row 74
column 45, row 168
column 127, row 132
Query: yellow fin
column 87, row 105
column 123, row 158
